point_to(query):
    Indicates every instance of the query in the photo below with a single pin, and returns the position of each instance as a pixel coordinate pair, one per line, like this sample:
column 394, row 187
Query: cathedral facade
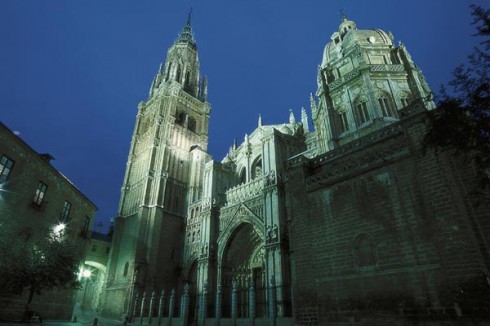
column 295, row 225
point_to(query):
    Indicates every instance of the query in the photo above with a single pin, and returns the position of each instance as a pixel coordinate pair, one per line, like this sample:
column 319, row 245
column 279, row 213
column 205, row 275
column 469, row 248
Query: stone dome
column 348, row 35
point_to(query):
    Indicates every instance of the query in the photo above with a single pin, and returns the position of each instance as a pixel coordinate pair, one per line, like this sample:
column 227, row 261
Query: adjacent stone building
column 349, row 221
column 36, row 199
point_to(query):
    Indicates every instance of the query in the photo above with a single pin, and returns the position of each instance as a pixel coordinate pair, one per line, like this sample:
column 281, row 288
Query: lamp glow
column 58, row 229
column 86, row 273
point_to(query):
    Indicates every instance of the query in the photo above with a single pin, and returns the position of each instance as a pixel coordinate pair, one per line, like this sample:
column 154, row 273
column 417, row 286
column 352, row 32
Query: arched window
column 385, row 106
column 179, row 73
column 362, row 111
column 180, row 118
column 187, row 81
column 243, row 176
column 168, row 71
column 342, row 119
column 257, row 168
column 365, row 253
column 191, row 124
column 404, row 99
column 126, row 268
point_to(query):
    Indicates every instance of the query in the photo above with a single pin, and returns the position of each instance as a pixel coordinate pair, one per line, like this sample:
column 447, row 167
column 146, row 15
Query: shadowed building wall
column 36, row 199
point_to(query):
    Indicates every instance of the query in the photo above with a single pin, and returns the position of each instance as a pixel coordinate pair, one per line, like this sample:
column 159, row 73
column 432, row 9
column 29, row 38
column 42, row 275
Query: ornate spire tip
column 189, row 16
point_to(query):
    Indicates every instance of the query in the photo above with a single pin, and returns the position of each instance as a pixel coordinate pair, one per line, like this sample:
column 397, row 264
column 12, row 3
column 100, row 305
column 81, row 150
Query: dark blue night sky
column 72, row 72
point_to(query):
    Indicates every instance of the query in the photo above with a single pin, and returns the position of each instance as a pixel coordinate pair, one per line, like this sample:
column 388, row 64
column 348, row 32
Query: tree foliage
column 461, row 123
column 35, row 263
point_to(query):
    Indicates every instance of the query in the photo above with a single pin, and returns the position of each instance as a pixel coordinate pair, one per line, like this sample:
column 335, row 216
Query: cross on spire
column 342, row 15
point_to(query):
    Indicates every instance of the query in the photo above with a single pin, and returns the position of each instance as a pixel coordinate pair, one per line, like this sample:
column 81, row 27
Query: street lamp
column 86, row 273
column 58, row 229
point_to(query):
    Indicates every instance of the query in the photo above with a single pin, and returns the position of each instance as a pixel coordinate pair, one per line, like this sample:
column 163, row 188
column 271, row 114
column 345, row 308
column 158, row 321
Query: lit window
column 40, row 192
column 362, row 112
column 6, row 165
column 66, row 211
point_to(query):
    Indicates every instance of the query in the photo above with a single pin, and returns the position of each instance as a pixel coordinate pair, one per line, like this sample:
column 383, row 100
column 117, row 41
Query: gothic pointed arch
column 169, row 70
column 257, row 167
column 386, row 104
column 404, row 98
column 342, row 118
column 361, row 109
column 237, row 222
column 242, row 262
column 178, row 73
column 242, row 175
column 365, row 255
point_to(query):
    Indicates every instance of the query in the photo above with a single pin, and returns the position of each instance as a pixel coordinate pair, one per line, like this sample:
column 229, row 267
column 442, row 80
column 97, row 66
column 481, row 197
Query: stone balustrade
column 244, row 191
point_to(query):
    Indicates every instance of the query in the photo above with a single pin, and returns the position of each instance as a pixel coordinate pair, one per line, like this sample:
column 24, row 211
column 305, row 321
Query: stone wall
column 34, row 220
column 377, row 227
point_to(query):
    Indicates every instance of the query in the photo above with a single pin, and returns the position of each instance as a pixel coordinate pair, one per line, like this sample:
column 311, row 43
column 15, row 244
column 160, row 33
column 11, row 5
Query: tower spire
column 186, row 35
column 189, row 16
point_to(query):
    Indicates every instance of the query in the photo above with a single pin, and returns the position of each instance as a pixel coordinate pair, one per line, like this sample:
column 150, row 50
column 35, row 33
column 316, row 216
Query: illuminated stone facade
column 363, row 82
column 294, row 225
column 163, row 178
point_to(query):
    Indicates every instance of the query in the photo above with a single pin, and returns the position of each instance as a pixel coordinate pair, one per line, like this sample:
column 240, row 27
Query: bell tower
column 171, row 124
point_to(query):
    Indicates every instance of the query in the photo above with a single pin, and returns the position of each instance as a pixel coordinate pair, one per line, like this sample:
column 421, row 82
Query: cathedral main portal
column 242, row 266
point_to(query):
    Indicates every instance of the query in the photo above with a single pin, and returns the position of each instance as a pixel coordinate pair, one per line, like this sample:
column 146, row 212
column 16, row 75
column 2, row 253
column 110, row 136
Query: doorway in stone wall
column 193, row 301
column 242, row 263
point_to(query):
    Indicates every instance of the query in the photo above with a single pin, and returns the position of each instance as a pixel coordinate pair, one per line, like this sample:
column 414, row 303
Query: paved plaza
column 84, row 317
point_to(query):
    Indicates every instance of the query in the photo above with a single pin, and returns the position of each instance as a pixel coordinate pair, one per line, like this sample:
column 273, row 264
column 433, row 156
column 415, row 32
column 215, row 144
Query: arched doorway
column 92, row 276
column 243, row 262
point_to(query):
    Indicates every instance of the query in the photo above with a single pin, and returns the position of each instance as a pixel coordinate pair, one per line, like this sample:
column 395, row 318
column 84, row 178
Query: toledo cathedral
column 351, row 221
